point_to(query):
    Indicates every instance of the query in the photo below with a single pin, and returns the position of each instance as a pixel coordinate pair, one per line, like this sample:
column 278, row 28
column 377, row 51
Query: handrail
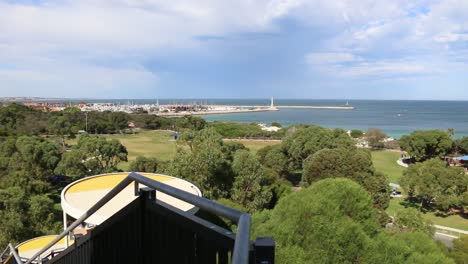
column 15, row 254
column 240, row 254
column 4, row 253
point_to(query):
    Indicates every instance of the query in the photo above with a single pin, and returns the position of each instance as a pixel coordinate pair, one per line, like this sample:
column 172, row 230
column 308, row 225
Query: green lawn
column 386, row 162
column 255, row 145
column 159, row 144
column 453, row 221
column 148, row 143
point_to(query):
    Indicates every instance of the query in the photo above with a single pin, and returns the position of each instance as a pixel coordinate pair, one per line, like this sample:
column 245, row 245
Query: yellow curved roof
column 105, row 182
column 28, row 248
column 81, row 195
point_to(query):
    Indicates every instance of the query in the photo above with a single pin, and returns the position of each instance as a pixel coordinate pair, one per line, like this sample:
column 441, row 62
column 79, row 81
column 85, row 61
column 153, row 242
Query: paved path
column 447, row 239
column 444, row 238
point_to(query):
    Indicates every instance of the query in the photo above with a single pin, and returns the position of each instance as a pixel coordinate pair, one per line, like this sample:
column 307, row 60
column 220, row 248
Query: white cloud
column 385, row 69
column 57, row 41
column 330, row 58
column 451, row 37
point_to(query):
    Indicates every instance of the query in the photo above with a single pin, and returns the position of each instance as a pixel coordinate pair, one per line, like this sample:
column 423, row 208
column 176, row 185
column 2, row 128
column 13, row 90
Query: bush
column 356, row 133
column 276, row 124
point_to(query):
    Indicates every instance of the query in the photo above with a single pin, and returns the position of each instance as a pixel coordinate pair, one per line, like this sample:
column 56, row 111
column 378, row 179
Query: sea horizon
column 394, row 117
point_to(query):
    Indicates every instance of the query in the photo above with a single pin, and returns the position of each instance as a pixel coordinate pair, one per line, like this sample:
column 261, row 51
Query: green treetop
column 250, row 183
column 427, row 144
column 436, row 185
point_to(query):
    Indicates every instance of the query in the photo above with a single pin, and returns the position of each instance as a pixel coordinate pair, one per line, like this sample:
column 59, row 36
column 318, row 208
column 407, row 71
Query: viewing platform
column 80, row 195
column 28, row 248
column 142, row 218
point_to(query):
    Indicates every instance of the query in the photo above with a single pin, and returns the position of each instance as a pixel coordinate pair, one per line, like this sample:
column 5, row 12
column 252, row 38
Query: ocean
column 396, row 118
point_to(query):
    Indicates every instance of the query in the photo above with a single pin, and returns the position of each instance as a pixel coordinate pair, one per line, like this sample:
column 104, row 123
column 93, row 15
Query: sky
column 318, row 49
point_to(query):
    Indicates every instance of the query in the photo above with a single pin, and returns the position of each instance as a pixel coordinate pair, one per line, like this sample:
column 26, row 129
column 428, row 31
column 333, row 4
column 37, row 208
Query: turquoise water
column 396, row 118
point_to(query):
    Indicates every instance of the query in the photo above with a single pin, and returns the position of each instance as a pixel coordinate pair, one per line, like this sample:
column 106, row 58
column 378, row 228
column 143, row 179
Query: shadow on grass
column 410, row 204
column 437, row 213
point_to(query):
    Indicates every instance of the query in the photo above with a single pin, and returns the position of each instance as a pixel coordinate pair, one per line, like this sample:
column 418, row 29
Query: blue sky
column 353, row 49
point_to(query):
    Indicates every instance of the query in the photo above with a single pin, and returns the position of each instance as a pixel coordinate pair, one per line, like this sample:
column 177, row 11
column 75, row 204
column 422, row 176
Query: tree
column 274, row 157
column 231, row 147
column 435, row 185
column 333, row 221
column 31, row 158
column 276, row 124
column 205, row 164
column 355, row 164
column 406, row 248
column 12, row 116
column 101, row 155
column 43, row 215
column 460, row 250
column 23, row 216
column 451, row 132
column 307, row 141
column 73, row 164
column 378, row 187
column 238, row 130
column 356, row 133
column 461, row 145
column 61, row 126
column 144, row 164
column 249, row 188
column 118, row 121
column 374, row 137
column 427, row 144
column 333, row 163
column 316, row 224
column 411, row 220
column 191, row 122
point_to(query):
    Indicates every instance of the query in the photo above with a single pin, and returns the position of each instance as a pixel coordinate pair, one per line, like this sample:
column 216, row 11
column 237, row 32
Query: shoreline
column 239, row 109
column 217, row 112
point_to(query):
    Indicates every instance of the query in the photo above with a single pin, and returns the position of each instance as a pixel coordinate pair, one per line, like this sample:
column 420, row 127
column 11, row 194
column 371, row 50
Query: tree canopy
column 427, row 144
column 461, row 145
column 306, row 141
column 459, row 252
column 375, row 138
column 144, row 164
column 436, row 185
column 333, row 221
column 275, row 158
column 206, row 164
column 92, row 155
column 250, row 184
column 352, row 163
column 356, row 133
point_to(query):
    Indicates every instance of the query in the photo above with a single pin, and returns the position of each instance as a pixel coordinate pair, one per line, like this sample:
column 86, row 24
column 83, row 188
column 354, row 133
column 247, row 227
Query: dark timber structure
column 149, row 231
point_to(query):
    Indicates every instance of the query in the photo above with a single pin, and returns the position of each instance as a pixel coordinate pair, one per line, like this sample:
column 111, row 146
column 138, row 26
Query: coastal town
column 168, row 110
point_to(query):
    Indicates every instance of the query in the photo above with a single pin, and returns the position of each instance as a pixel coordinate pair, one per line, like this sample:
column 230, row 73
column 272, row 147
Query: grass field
column 386, row 162
column 255, row 145
column 160, row 144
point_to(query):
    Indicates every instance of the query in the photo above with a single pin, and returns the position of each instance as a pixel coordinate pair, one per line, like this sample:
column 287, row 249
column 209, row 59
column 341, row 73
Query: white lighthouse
column 272, row 105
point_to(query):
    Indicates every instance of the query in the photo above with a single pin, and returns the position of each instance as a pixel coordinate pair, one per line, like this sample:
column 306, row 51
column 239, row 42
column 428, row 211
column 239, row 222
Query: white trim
column 75, row 212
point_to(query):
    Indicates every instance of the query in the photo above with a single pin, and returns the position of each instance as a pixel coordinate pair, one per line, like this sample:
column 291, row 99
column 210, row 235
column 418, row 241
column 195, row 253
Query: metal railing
column 9, row 251
column 240, row 254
